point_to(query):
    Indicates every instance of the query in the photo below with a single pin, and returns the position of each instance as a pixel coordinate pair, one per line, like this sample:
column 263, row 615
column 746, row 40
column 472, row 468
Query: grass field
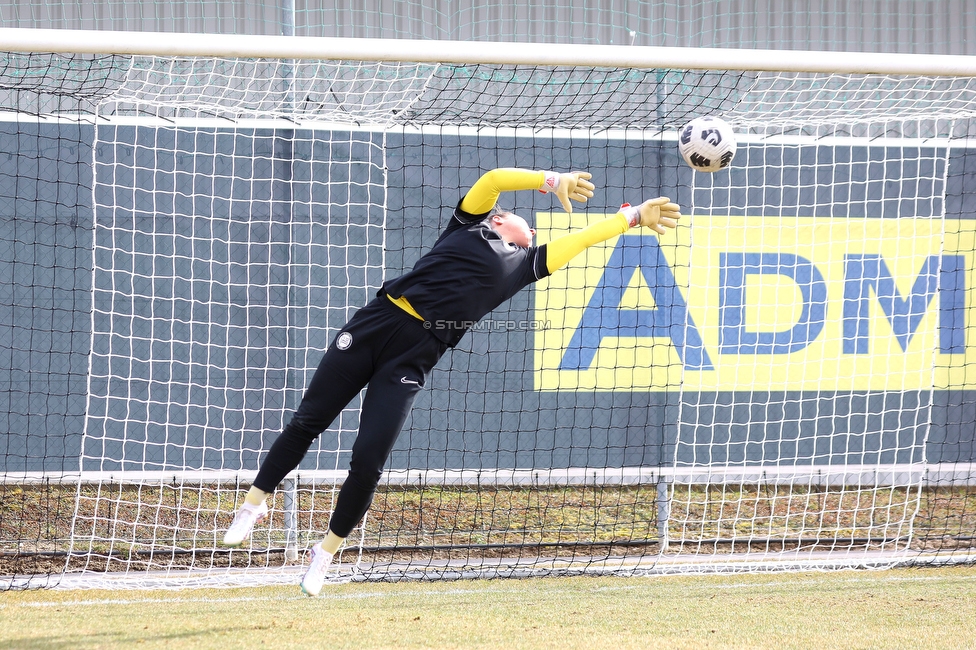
column 903, row 608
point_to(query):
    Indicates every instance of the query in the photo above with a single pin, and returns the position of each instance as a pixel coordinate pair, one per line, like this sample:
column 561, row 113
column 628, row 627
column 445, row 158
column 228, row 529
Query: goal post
column 783, row 382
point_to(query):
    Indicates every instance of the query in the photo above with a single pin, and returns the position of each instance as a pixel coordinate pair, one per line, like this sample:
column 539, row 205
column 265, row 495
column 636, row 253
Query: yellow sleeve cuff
column 562, row 249
column 483, row 195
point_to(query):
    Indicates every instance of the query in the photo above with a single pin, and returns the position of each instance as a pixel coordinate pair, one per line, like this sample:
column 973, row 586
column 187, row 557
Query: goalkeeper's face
column 512, row 229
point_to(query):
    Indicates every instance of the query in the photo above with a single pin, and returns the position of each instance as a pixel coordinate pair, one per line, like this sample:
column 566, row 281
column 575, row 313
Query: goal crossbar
column 446, row 51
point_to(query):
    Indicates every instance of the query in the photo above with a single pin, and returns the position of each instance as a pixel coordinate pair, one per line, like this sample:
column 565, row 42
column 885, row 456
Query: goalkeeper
column 484, row 257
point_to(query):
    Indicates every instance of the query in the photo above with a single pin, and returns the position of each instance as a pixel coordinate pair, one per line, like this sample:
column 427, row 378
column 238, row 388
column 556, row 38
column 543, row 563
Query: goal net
column 781, row 383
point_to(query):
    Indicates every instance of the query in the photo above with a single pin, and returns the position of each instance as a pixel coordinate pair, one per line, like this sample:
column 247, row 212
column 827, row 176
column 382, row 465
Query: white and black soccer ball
column 707, row 144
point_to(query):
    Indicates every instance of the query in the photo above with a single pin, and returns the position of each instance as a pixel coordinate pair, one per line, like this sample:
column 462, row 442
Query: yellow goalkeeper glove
column 571, row 185
column 657, row 214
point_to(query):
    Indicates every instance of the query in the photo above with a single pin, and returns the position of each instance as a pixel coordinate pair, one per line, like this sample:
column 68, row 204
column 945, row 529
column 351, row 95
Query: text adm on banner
column 760, row 303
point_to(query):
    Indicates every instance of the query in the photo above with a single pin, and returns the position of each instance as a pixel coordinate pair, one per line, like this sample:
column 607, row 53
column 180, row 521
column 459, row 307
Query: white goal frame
column 444, row 51
column 387, row 50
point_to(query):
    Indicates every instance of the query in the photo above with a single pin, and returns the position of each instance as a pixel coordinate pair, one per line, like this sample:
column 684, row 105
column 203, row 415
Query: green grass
column 904, row 608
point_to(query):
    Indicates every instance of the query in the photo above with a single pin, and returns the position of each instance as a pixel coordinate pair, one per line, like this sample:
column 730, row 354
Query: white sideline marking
column 455, row 592
column 140, row 601
column 878, row 579
column 246, row 599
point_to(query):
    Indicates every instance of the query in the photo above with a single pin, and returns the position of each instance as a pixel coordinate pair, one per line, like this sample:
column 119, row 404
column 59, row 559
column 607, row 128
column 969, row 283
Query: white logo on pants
column 344, row 341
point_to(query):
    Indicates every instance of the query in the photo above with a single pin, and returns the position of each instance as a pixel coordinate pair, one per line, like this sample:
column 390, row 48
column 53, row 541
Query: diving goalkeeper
column 484, row 257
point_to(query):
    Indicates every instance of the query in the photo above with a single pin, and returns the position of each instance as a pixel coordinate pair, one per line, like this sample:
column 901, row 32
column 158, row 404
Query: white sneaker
column 244, row 522
column 315, row 576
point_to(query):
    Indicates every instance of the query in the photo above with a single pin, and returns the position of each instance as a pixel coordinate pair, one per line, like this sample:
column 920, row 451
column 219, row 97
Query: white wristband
column 550, row 182
column 632, row 212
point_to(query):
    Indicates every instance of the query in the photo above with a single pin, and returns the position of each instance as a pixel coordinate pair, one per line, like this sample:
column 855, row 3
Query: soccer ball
column 707, row 144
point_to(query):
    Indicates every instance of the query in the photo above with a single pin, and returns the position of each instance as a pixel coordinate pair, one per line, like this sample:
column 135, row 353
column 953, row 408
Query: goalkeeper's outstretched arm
column 657, row 214
column 569, row 186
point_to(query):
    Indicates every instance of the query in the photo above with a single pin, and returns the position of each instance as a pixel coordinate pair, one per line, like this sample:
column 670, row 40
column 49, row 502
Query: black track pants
column 382, row 347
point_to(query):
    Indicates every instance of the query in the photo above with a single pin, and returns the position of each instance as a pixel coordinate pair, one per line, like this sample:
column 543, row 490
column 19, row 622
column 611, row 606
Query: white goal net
column 781, row 383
